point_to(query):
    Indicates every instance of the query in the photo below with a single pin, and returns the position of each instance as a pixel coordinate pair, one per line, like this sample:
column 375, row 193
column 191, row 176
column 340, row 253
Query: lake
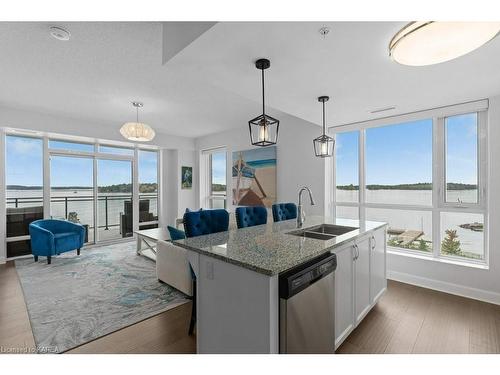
column 79, row 201
column 418, row 220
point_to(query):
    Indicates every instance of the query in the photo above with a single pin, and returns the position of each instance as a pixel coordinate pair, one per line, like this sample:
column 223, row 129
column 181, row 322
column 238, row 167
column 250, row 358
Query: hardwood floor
column 15, row 328
column 163, row 333
column 410, row 319
column 407, row 319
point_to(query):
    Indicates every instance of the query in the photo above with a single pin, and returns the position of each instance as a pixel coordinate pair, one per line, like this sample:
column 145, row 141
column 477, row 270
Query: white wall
column 296, row 163
column 49, row 123
column 175, row 199
column 472, row 282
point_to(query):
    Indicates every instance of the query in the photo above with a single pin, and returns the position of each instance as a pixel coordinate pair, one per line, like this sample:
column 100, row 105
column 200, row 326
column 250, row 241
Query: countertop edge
column 268, row 272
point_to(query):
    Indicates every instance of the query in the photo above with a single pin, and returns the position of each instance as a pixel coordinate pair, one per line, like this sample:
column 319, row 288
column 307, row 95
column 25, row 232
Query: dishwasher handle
column 299, row 278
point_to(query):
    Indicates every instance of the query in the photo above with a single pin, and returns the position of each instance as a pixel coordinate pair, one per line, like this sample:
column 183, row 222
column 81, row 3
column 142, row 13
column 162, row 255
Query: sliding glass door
column 72, row 191
column 114, row 199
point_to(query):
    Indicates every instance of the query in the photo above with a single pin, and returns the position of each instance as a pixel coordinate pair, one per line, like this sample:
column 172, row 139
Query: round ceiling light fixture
column 59, row 33
column 137, row 131
column 431, row 42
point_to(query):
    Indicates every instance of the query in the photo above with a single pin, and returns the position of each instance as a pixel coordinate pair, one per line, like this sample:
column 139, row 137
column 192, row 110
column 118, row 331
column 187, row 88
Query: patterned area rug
column 77, row 299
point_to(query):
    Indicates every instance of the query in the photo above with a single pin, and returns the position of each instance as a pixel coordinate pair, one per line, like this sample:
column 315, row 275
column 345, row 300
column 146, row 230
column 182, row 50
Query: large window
column 213, row 187
column 24, row 190
column 148, row 189
column 425, row 177
column 461, row 158
column 347, row 167
column 88, row 183
column 399, row 163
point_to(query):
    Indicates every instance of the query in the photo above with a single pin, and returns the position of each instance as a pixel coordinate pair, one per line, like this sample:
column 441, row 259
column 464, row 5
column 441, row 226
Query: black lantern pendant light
column 263, row 128
column 323, row 145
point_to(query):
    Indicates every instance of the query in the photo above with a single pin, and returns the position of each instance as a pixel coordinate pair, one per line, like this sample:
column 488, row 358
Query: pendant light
column 263, row 128
column 323, row 145
column 137, row 131
column 432, row 42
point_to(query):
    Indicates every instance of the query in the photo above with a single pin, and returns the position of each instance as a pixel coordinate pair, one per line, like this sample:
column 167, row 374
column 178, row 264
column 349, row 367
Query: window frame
column 206, row 194
column 95, row 155
column 439, row 204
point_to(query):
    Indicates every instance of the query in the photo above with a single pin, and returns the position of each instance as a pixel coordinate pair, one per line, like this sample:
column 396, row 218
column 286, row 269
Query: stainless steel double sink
column 323, row 231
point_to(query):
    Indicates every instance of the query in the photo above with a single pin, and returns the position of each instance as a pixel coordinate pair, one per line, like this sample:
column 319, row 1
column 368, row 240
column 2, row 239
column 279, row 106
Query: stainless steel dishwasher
column 307, row 307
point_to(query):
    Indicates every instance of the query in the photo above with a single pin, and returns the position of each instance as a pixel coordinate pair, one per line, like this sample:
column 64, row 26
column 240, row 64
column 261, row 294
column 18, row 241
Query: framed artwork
column 186, row 177
column 254, row 177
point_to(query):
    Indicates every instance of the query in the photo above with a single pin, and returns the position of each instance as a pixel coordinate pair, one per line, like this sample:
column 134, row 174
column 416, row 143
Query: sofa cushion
column 176, row 234
column 66, row 241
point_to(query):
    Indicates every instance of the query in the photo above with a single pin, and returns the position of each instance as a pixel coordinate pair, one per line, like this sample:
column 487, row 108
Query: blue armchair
column 53, row 237
column 284, row 211
column 250, row 216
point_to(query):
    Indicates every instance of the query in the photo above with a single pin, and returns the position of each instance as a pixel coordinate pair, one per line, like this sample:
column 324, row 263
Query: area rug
column 77, row 299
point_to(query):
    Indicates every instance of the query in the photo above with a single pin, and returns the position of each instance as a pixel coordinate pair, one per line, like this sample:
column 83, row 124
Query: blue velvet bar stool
column 250, row 216
column 199, row 223
column 284, row 211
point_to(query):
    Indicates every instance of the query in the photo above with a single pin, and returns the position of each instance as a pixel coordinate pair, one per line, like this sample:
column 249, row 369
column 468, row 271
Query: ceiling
column 212, row 85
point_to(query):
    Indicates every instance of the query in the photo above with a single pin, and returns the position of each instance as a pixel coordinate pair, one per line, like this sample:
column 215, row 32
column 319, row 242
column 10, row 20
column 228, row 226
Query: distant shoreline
column 416, row 186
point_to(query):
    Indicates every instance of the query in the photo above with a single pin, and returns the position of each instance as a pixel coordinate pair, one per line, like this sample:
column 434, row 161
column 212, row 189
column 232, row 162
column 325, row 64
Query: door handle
column 374, row 243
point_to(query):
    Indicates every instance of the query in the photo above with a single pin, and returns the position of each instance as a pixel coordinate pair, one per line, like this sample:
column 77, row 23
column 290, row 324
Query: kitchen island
column 237, row 280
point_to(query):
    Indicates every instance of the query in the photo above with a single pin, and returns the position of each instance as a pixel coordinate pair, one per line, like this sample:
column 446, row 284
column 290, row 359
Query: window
column 425, row 177
column 148, row 189
column 116, row 150
column 213, row 187
column 399, row 163
column 461, row 158
column 85, row 182
column 347, row 167
column 24, row 190
column 70, row 146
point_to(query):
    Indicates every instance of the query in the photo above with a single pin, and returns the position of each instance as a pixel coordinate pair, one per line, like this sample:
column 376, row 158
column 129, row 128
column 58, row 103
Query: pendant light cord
column 324, row 117
column 263, row 105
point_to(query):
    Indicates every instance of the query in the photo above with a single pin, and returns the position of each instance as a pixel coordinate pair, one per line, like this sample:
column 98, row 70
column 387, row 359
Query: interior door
column 362, row 279
column 378, row 281
column 344, row 294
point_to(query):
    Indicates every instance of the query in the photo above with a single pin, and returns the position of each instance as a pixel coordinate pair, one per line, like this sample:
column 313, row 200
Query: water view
column 418, row 224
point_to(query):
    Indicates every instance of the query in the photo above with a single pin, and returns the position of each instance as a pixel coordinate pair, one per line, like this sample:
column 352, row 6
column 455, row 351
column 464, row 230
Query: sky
column 399, row 154
column 395, row 154
column 219, row 168
column 24, row 166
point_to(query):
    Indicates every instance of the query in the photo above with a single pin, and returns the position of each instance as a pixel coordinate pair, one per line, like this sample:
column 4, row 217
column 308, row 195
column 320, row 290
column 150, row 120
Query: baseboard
column 442, row 286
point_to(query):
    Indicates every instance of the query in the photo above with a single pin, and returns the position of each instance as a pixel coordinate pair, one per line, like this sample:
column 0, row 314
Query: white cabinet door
column 378, row 281
column 344, row 294
column 361, row 279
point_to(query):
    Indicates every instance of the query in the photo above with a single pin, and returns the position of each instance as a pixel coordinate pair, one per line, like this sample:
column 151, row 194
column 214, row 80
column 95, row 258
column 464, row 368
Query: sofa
column 172, row 267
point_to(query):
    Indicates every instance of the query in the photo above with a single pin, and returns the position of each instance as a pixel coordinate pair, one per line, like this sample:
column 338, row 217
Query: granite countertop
column 268, row 248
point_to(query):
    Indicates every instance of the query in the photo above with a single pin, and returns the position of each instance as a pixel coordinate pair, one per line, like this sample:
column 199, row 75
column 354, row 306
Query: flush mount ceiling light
column 432, row 42
column 263, row 128
column 137, row 131
column 323, row 145
column 59, row 33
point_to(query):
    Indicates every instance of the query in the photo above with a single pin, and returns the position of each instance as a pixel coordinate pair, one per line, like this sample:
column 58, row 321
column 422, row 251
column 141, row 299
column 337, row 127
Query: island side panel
column 237, row 309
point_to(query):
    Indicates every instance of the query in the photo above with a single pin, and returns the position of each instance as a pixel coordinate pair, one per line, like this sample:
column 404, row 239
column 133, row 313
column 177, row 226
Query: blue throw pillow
column 176, row 234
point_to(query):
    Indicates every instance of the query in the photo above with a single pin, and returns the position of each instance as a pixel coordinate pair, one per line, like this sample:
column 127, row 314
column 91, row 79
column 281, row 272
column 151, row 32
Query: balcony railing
column 110, row 207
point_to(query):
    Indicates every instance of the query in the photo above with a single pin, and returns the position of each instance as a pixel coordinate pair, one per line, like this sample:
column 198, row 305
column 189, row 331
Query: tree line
column 416, row 186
